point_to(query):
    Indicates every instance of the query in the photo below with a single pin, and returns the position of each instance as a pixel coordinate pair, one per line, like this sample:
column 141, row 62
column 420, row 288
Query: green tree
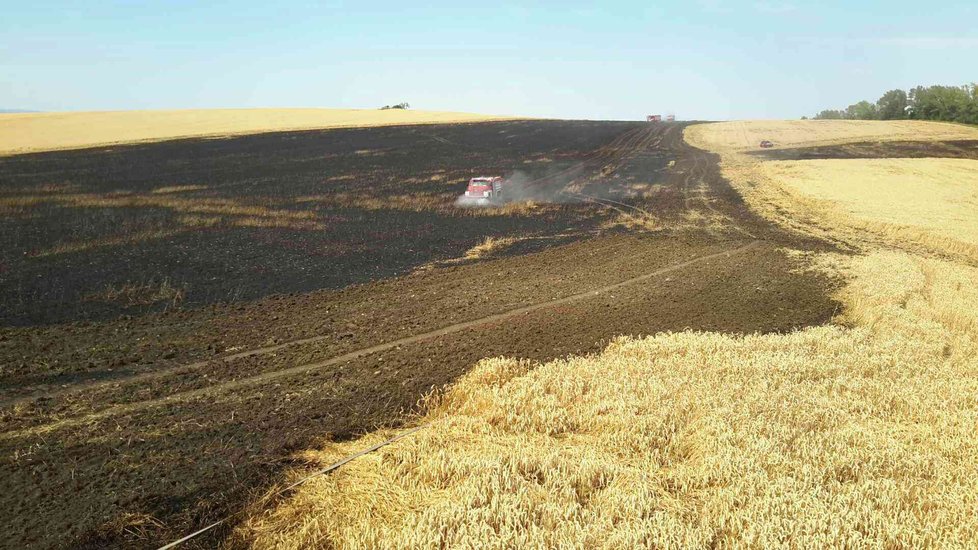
column 971, row 112
column 830, row 114
column 948, row 103
column 923, row 104
column 863, row 110
column 893, row 105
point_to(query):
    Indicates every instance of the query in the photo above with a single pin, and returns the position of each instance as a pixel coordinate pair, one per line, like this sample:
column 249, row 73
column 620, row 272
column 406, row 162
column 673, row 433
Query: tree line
column 946, row 103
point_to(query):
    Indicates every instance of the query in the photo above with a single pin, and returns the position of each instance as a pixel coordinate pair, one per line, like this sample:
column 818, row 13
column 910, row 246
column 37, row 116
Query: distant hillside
column 5, row 111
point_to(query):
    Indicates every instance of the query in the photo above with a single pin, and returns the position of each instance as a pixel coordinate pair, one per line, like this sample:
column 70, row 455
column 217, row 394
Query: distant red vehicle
column 483, row 191
column 766, row 144
column 654, row 118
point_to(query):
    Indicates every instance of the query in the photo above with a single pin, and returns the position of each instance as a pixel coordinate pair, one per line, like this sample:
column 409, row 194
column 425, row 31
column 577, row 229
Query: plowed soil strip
column 299, row 369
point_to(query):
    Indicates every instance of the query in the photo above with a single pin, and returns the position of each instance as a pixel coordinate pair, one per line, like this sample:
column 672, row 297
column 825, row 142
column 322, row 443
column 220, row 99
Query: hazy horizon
column 708, row 60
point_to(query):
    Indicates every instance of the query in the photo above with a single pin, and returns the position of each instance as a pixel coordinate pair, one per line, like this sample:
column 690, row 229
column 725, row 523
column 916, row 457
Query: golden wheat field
column 787, row 193
column 859, row 434
column 739, row 135
column 932, row 199
column 31, row 132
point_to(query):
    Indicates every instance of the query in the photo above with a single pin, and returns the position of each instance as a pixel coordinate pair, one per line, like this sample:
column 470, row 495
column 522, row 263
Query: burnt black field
column 958, row 149
column 60, row 244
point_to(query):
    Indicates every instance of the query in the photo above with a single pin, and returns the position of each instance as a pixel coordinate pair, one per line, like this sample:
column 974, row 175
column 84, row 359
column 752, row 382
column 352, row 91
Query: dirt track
column 206, row 405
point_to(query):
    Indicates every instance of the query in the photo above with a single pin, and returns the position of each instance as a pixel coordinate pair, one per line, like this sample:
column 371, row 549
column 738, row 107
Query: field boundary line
column 356, row 354
column 323, row 471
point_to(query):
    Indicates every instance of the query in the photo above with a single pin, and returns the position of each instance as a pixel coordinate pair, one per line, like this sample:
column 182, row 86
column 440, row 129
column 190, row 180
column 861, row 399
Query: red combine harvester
column 654, row 118
column 483, row 191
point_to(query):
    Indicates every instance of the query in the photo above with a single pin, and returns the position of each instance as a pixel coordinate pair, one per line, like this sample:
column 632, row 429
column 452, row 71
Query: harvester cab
column 483, row 191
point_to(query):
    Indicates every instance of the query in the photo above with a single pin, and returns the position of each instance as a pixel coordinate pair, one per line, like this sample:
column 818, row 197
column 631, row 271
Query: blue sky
column 619, row 60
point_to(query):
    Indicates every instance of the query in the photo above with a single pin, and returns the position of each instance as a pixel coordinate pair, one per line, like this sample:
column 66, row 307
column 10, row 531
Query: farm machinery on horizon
column 658, row 118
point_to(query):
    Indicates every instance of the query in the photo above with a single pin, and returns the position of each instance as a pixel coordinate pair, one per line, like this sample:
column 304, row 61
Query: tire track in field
column 650, row 137
column 622, row 147
column 266, row 377
column 612, row 150
column 696, row 190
